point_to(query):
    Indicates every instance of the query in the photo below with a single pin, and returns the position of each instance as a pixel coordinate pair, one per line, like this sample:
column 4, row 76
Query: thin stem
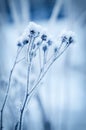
column 28, row 48
column 8, row 88
column 26, row 97
column 16, row 126
column 52, row 56
column 28, row 78
column 22, row 112
column 60, row 46
column 38, row 46
column 40, row 59
column 20, row 60
column 45, row 59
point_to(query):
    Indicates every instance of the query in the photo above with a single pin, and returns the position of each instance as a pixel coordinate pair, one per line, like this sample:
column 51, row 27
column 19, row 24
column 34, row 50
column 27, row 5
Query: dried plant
column 41, row 51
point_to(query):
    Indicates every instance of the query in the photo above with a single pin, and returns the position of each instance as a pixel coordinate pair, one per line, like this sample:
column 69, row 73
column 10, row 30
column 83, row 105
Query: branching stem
column 40, row 77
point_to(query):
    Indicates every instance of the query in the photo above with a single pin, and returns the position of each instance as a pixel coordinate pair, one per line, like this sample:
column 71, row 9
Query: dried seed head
column 25, row 42
column 49, row 42
column 64, row 39
column 45, row 48
column 68, row 37
column 22, row 40
column 44, row 37
column 19, row 44
column 71, row 40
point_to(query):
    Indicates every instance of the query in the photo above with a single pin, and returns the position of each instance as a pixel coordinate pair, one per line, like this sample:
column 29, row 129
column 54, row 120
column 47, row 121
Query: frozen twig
column 8, row 87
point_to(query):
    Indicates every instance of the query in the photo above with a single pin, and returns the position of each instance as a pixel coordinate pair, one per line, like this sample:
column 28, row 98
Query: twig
column 52, row 56
column 28, row 78
column 16, row 126
column 20, row 60
column 40, row 59
column 8, row 88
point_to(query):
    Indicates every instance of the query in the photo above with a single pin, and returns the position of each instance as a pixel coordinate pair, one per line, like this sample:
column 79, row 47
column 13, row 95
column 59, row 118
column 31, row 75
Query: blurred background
column 60, row 102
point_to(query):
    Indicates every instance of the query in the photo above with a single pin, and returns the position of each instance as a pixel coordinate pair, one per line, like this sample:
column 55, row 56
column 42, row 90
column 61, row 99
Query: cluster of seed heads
column 36, row 37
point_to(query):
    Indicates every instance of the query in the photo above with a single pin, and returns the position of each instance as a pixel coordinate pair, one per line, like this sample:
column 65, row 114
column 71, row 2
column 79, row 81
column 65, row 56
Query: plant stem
column 22, row 112
column 16, row 126
column 26, row 97
column 8, row 88
column 28, row 78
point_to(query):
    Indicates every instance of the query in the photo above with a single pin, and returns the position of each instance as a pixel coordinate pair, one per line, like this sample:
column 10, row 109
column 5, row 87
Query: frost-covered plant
column 42, row 51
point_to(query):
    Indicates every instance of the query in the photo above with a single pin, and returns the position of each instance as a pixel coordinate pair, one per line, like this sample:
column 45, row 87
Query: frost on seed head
column 22, row 40
column 44, row 37
column 44, row 47
column 44, row 34
column 33, row 29
column 67, row 37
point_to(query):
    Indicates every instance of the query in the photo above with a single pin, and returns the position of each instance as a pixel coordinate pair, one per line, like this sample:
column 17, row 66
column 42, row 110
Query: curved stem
column 26, row 97
column 22, row 112
column 28, row 78
column 8, row 88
